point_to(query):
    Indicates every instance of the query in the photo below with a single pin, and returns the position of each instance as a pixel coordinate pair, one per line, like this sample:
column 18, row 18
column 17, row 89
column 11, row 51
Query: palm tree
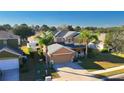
column 44, row 40
column 87, row 36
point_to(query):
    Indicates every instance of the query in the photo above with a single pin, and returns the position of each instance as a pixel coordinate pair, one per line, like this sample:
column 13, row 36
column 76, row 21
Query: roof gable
column 63, row 51
column 10, row 51
column 56, row 47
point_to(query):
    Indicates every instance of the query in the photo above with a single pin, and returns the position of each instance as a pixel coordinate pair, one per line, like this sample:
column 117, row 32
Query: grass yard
column 118, row 54
column 102, row 61
column 25, row 49
column 54, row 73
column 111, row 73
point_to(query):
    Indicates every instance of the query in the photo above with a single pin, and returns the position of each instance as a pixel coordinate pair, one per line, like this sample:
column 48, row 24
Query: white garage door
column 10, row 69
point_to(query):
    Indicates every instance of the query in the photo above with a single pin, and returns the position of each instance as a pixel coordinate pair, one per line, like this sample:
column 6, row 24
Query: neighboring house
column 66, row 37
column 71, row 40
column 9, row 39
column 32, row 43
column 60, row 54
column 9, row 56
column 100, row 43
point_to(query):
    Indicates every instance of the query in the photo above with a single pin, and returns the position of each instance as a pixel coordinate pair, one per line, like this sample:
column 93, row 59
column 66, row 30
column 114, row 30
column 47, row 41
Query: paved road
column 72, row 72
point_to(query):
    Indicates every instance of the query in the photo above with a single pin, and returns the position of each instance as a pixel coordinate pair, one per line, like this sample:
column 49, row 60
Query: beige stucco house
column 60, row 54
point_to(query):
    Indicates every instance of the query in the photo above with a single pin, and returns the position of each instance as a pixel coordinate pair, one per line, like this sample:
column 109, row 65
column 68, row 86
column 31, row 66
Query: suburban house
column 101, row 38
column 32, row 43
column 66, row 37
column 9, row 56
column 60, row 54
column 71, row 40
column 100, row 44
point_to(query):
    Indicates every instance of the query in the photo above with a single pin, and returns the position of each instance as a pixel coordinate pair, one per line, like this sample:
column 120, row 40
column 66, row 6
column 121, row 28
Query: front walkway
column 73, row 72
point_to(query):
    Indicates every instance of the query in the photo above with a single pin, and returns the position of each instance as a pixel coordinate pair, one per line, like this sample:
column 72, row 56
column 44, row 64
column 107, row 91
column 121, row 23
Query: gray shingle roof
column 70, row 33
column 60, row 33
column 55, row 47
column 7, row 35
column 65, row 34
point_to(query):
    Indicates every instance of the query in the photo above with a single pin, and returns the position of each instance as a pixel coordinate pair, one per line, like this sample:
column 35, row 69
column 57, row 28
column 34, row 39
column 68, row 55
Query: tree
column 62, row 28
column 53, row 29
column 87, row 36
column 77, row 28
column 2, row 28
column 66, row 28
column 23, row 31
column 91, row 28
column 115, row 41
column 7, row 27
column 37, row 28
column 70, row 28
column 44, row 40
column 44, row 28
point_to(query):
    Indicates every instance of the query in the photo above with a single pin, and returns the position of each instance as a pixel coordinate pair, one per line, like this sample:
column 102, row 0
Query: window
column 5, row 42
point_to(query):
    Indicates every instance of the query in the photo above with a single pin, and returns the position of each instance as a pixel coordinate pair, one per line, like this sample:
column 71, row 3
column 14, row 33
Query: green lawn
column 54, row 73
column 101, row 61
column 111, row 73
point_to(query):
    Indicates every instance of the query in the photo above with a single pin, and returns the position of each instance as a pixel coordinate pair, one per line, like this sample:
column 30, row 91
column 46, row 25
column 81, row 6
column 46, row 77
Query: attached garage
column 60, row 54
column 9, row 65
column 9, row 69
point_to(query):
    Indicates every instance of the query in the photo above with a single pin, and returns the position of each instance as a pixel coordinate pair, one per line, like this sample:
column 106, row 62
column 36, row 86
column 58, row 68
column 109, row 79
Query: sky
column 57, row 18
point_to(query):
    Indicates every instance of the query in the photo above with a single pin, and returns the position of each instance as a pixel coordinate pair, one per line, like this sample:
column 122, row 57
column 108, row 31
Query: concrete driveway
column 72, row 72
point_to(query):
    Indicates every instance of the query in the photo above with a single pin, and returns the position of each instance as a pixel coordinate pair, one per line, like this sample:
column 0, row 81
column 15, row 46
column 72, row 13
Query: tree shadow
column 89, row 63
column 108, row 57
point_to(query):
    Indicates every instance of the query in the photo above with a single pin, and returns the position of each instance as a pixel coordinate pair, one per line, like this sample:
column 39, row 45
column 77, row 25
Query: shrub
column 104, row 50
column 92, row 52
